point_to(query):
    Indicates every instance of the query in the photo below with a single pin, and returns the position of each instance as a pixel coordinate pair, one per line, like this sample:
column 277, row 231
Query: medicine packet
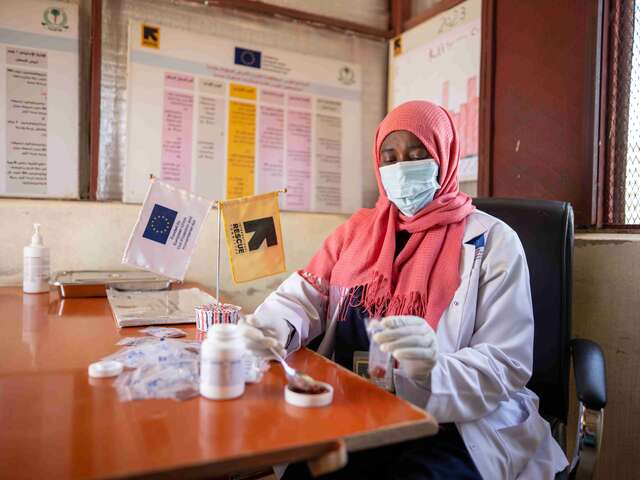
column 255, row 367
column 164, row 332
column 163, row 368
column 177, row 380
column 380, row 363
column 135, row 341
column 162, row 351
column 168, row 368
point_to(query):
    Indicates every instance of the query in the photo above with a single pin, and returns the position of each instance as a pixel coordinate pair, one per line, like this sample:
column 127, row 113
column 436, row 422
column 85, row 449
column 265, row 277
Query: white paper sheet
column 39, row 100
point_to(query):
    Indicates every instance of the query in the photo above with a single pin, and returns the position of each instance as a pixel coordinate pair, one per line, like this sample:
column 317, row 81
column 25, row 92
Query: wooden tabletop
column 56, row 422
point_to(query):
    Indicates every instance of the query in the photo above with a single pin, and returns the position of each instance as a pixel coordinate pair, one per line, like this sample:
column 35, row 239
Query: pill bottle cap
column 223, row 331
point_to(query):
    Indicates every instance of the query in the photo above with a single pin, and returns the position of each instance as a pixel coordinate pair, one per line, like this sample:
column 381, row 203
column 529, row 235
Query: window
column 622, row 180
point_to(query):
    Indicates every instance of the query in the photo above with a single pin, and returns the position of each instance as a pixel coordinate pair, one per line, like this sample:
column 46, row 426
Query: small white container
column 221, row 367
column 35, row 272
column 299, row 399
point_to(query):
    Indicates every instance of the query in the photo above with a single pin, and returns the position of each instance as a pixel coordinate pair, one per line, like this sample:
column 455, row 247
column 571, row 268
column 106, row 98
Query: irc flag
column 254, row 237
column 167, row 230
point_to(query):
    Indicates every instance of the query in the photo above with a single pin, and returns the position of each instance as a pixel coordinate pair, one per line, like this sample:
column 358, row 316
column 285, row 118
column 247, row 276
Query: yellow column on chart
column 241, row 149
column 242, row 91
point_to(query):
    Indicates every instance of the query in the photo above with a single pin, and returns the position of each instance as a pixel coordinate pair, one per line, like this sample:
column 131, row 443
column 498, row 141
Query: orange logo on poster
column 150, row 36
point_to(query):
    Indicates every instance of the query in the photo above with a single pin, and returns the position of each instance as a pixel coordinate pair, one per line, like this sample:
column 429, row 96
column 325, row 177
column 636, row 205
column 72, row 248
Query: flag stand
column 218, row 204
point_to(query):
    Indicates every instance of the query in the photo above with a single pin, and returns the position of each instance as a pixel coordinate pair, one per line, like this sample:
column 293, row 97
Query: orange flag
column 254, row 237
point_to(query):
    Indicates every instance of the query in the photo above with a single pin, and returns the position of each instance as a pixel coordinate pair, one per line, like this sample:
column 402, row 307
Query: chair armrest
column 591, row 388
column 589, row 371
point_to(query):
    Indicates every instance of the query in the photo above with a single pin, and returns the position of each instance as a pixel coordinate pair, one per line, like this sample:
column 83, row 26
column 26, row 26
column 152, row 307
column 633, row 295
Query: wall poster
column 226, row 120
column 39, row 87
column 439, row 61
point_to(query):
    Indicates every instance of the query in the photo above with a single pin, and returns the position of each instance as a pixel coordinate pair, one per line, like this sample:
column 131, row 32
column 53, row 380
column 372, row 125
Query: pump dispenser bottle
column 35, row 275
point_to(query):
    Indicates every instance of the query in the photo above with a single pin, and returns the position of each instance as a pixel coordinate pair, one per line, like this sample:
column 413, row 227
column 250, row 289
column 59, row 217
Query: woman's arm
column 299, row 303
column 470, row 383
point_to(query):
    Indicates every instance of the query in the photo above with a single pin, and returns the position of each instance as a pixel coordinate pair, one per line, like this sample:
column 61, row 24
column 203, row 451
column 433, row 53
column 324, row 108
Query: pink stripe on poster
column 178, row 80
column 177, row 131
column 271, row 149
column 272, row 96
column 298, row 162
column 299, row 101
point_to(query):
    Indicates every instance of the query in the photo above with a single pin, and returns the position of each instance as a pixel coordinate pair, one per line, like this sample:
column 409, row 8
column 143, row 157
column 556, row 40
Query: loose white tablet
column 107, row 368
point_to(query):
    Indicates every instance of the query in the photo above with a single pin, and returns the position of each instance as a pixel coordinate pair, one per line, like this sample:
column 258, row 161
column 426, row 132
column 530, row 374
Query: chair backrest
column 545, row 229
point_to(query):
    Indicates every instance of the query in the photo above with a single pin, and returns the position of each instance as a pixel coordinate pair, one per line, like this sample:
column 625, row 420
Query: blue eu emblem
column 160, row 223
column 248, row 58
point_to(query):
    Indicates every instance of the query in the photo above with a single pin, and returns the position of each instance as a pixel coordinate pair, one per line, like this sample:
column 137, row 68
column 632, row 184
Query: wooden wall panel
column 542, row 100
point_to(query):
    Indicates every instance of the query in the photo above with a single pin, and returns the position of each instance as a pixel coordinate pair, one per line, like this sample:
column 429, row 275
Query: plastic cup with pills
column 216, row 313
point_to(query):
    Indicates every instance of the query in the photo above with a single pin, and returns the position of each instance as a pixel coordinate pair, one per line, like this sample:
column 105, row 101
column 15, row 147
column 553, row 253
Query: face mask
column 411, row 185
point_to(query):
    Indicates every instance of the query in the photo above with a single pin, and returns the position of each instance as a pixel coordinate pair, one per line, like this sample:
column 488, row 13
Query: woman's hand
column 262, row 334
column 412, row 342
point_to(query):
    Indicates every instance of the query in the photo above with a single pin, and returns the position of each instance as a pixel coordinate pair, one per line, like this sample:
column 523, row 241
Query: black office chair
column 545, row 229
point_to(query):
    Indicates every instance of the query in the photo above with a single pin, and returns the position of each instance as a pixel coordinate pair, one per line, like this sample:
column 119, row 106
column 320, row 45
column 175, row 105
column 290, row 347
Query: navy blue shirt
column 351, row 333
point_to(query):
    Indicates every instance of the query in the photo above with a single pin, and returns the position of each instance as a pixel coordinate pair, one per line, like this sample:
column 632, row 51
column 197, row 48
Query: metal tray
column 93, row 283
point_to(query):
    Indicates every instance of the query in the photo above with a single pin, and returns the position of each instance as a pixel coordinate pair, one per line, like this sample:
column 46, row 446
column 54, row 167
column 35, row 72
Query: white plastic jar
column 221, row 367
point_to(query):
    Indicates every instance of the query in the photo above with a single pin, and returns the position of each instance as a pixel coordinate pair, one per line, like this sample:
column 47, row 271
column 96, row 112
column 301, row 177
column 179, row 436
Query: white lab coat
column 485, row 341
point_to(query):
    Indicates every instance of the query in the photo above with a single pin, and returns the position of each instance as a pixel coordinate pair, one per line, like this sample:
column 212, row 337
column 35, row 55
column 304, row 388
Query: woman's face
column 402, row 146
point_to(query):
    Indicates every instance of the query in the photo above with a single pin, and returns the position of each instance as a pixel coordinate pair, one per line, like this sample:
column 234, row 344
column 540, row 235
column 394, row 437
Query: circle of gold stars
column 160, row 229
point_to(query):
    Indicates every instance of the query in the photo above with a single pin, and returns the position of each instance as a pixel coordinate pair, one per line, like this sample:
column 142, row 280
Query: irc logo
column 248, row 58
column 263, row 229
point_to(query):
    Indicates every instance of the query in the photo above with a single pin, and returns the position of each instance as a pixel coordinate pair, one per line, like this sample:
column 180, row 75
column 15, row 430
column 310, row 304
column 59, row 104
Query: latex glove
column 262, row 334
column 412, row 342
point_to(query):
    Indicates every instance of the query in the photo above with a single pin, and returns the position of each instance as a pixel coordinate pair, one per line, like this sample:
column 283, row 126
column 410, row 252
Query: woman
column 453, row 287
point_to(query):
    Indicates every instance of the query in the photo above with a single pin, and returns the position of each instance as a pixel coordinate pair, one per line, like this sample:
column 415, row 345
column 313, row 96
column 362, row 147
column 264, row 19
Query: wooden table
column 56, row 422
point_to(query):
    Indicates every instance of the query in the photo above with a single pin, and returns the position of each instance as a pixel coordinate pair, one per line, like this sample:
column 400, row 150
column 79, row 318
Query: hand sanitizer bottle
column 35, row 275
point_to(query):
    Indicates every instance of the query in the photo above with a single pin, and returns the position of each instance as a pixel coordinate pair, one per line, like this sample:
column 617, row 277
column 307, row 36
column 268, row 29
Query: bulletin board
column 39, row 87
column 439, row 61
column 226, row 120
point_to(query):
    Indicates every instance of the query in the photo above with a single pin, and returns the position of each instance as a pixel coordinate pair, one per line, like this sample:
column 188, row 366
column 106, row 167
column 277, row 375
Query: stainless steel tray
column 93, row 283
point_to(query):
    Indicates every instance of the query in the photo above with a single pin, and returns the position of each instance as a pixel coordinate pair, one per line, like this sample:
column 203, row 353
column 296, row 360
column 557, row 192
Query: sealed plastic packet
column 164, row 332
column 380, row 363
column 162, row 369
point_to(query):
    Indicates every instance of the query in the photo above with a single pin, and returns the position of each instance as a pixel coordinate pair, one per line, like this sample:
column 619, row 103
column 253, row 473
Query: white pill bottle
column 35, row 272
column 221, row 367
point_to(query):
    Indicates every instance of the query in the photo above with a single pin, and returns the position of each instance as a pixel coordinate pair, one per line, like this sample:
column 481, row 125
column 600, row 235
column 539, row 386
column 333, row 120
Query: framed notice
column 226, row 120
column 38, row 99
column 439, row 61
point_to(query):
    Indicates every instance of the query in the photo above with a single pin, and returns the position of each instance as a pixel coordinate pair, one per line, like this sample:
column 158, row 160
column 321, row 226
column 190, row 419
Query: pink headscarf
column 424, row 276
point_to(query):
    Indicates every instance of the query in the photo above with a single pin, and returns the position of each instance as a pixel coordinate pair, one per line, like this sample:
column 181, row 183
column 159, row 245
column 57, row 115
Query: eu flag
column 248, row 58
column 160, row 223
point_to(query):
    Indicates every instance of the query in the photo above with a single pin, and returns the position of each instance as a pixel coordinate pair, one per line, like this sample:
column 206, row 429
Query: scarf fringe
column 374, row 297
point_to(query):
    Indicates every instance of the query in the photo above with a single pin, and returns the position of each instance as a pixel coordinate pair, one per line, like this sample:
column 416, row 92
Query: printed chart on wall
column 439, row 61
column 38, row 99
column 226, row 120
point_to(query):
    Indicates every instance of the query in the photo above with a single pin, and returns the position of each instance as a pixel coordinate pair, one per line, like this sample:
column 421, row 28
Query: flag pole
column 218, row 254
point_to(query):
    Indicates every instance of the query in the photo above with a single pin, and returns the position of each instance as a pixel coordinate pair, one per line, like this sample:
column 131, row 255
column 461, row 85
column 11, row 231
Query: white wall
column 92, row 235
column 373, row 13
column 606, row 309
column 420, row 6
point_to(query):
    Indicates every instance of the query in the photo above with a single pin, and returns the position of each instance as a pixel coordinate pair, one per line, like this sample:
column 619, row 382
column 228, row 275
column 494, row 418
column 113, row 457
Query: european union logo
column 160, row 223
column 248, row 58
